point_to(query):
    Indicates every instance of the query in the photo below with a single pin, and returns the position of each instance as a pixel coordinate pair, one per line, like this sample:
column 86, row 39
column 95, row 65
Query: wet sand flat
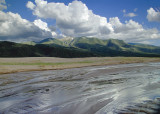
column 116, row 89
column 11, row 65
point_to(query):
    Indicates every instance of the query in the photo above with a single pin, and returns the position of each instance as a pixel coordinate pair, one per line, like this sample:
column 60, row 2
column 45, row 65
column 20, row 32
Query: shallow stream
column 127, row 88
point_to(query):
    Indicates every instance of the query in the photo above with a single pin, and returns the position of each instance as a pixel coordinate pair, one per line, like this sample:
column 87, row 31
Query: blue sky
column 121, row 16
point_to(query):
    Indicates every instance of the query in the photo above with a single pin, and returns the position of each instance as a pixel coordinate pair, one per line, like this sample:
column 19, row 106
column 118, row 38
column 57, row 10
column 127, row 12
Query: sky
column 136, row 21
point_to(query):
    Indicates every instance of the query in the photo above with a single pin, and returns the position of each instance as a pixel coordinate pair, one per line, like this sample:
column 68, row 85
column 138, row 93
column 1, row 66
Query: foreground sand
column 11, row 65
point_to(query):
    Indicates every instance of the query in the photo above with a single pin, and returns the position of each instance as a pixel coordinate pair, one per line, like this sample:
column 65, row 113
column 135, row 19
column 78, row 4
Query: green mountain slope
column 77, row 47
column 111, row 47
column 107, row 47
column 30, row 43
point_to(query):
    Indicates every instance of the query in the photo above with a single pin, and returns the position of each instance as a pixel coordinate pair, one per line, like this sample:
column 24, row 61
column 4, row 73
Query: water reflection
column 103, row 89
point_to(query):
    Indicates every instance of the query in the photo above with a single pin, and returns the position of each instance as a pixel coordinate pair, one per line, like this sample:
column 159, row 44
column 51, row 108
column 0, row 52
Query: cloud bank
column 73, row 20
column 132, row 31
column 17, row 29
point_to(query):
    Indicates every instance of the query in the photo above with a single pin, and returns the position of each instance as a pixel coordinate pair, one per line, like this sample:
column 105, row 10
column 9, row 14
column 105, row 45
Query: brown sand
column 11, row 65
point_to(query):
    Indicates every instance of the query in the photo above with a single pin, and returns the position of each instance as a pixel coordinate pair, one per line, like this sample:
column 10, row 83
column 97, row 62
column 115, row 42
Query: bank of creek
column 127, row 88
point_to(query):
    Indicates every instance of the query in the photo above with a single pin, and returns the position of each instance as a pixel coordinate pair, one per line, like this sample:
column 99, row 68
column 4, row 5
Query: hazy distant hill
column 76, row 47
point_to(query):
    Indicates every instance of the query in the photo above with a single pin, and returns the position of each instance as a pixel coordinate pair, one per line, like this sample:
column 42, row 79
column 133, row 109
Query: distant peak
column 67, row 38
column 47, row 39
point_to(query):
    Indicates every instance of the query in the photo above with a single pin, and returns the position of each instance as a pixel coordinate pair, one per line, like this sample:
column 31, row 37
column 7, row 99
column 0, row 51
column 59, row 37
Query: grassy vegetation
column 11, row 65
column 43, row 63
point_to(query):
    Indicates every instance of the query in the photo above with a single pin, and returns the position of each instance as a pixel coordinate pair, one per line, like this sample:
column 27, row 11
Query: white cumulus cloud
column 153, row 15
column 74, row 19
column 44, row 26
column 124, row 28
column 41, row 24
column 30, row 5
column 132, row 31
column 15, row 28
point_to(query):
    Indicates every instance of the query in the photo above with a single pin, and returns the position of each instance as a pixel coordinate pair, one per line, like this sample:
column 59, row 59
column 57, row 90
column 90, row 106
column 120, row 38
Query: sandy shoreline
column 12, row 65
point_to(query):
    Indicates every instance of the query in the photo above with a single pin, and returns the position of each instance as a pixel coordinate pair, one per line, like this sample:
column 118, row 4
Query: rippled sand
column 127, row 88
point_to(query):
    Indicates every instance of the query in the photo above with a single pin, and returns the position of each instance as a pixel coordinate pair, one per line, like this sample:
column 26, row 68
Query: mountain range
column 77, row 47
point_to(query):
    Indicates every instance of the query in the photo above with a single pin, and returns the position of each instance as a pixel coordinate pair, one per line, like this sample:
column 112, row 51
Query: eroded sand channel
column 86, row 90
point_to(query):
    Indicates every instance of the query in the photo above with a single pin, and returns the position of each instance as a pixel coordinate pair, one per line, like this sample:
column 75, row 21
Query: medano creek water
column 128, row 88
